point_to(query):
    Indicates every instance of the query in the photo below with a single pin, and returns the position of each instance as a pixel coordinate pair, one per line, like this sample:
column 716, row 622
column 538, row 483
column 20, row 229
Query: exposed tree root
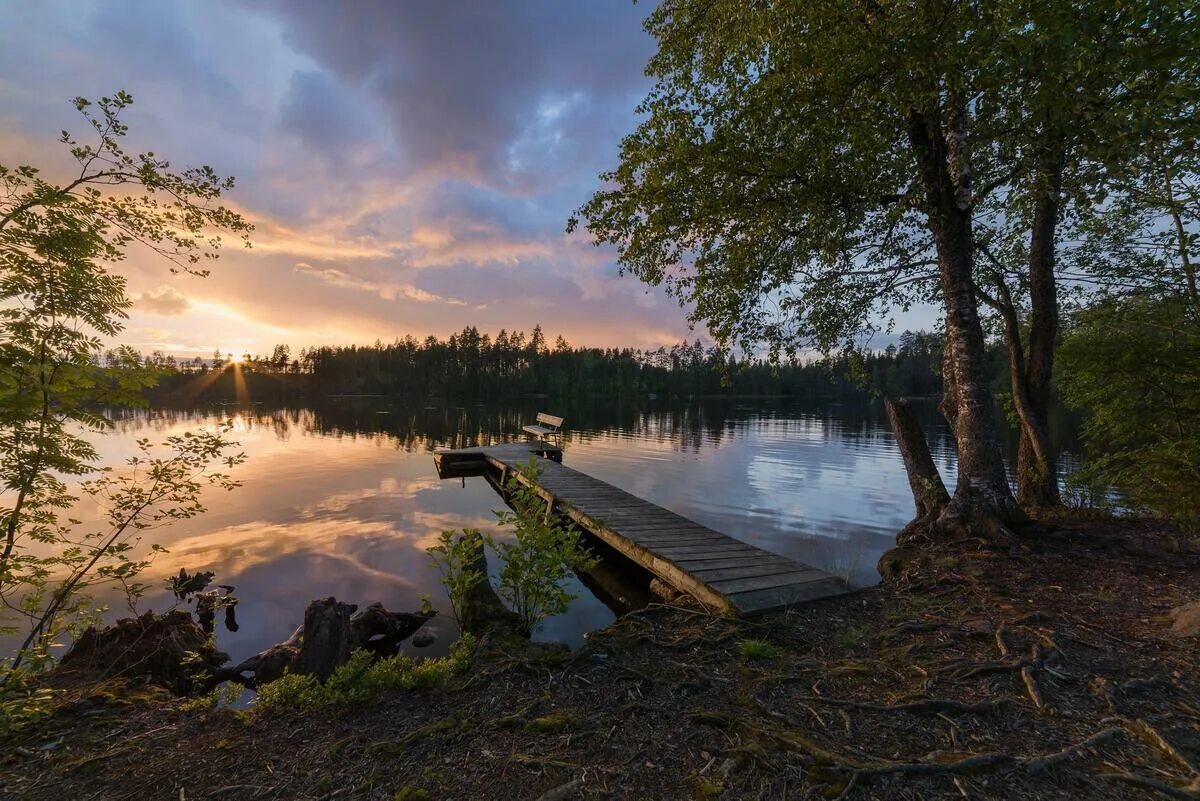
column 978, row 763
column 930, row 706
column 1188, row 793
column 1031, row 686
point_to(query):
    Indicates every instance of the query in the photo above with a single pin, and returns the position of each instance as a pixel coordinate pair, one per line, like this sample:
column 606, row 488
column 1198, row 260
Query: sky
column 409, row 167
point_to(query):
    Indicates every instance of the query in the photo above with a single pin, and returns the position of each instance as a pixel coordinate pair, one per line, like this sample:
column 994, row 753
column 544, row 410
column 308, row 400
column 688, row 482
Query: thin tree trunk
column 1181, row 240
column 1037, row 477
column 982, row 494
column 929, row 493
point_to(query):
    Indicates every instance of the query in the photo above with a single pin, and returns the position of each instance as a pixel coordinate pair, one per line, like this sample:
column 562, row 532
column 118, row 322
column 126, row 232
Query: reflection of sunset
column 343, row 500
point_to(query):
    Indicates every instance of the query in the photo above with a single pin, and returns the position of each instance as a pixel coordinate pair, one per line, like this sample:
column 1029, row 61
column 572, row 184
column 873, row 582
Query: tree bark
column 929, row 493
column 982, row 499
column 1037, row 476
column 328, row 638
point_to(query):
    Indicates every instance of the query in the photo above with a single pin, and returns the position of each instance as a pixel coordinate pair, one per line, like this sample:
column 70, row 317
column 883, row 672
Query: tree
column 802, row 170
column 1133, row 362
column 58, row 302
column 1092, row 88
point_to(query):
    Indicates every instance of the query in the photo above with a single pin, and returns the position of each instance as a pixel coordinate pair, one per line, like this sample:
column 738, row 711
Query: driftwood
column 331, row 632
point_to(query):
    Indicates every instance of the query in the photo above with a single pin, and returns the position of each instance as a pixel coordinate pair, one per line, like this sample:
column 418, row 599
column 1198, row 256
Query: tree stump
column 328, row 638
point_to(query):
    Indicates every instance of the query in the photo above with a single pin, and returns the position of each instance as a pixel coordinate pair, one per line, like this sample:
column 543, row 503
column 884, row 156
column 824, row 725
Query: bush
column 457, row 556
column 544, row 555
column 1133, row 363
column 22, row 702
column 364, row 679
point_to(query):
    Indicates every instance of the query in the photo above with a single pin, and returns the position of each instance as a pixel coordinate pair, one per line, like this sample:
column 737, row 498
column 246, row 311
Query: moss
column 410, row 793
column 510, row 721
column 548, row 724
column 393, row 748
column 707, row 790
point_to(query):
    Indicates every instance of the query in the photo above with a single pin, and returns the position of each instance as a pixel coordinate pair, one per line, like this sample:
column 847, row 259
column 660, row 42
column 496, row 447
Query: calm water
column 344, row 499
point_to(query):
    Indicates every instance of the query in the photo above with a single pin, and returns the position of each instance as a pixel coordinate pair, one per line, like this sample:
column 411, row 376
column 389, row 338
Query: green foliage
column 223, row 695
column 776, row 182
column 457, row 557
column 1133, row 363
column 758, row 649
column 364, row 679
column 851, row 637
column 22, row 702
column 541, row 559
column 59, row 302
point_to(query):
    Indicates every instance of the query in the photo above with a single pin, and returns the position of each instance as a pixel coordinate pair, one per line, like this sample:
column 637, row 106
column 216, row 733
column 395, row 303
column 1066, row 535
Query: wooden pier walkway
column 718, row 570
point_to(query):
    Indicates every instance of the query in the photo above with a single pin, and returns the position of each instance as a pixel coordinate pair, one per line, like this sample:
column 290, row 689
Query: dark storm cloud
column 323, row 116
column 509, row 94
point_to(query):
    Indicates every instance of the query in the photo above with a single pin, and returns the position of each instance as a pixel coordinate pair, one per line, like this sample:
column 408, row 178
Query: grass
column 758, row 649
column 851, row 636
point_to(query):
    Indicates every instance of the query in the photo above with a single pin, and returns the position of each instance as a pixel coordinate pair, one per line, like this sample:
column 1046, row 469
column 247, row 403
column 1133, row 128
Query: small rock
column 423, row 639
column 1187, row 620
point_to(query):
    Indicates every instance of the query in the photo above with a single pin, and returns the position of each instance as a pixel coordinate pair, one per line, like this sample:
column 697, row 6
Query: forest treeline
column 477, row 365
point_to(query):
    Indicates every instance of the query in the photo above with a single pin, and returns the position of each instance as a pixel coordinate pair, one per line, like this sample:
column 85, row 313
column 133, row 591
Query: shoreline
column 1043, row 671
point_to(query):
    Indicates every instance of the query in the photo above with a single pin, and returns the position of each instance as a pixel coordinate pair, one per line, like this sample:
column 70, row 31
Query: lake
column 343, row 499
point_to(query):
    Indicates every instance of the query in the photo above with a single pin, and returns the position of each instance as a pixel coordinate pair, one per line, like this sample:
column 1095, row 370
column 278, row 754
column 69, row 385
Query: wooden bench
column 547, row 425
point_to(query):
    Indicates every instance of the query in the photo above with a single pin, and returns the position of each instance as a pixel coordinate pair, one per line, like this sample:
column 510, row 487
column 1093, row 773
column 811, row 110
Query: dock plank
column 717, row 569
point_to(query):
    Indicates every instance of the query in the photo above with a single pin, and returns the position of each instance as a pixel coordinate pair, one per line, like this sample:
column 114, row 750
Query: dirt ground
column 1044, row 670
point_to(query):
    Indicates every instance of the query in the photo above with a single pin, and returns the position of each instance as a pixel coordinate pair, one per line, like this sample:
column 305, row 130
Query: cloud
column 409, row 167
column 388, row 290
column 165, row 301
column 463, row 87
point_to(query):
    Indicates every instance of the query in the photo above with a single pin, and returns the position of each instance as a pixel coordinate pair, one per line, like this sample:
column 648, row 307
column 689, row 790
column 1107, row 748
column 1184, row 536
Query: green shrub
column 543, row 557
column 457, row 556
column 222, row 695
column 22, row 702
column 1133, row 363
column 364, row 679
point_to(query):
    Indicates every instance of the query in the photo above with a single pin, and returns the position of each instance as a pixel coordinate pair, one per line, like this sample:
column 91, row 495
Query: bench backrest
column 550, row 420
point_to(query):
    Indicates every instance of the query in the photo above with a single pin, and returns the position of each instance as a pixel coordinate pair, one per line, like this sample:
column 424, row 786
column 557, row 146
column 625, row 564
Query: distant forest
column 510, row 365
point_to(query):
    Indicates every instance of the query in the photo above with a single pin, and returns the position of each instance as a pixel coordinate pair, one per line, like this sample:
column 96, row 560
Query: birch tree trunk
column 982, row 500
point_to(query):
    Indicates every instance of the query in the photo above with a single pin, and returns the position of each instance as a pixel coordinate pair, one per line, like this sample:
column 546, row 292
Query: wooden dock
column 719, row 571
